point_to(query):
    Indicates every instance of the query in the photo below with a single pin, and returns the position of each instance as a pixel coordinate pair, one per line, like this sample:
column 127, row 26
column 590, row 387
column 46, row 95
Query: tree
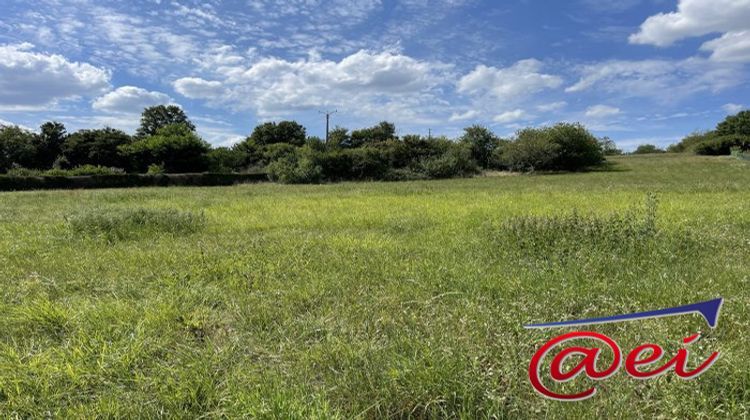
column 16, row 147
column 609, row 148
column 382, row 132
column 98, row 147
column 226, row 160
column 644, row 149
column 735, row 124
column 339, row 137
column 481, row 142
column 176, row 147
column 562, row 147
column 532, row 150
column 289, row 132
column 579, row 149
column 51, row 137
column 159, row 116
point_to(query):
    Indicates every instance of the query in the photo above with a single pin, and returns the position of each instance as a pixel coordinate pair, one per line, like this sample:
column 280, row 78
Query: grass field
column 370, row 300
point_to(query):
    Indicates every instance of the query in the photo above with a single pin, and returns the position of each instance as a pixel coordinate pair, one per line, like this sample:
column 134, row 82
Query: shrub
column 578, row 148
column 722, row 145
column 645, row 149
column 738, row 124
column 95, row 147
column 132, row 223
column 457, row 162
column 84, row 170
column 367, row 163
column 688, row 143
column 532, row 150
column 276, row 151
column 566, row 147
column 176, row 147
column 482, row 142
column 16, row 147
column 300, row 168
column 226, row 160
column 155, row 169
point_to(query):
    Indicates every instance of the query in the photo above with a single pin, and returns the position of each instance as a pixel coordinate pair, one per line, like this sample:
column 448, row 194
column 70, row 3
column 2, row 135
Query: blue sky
column 635, row 70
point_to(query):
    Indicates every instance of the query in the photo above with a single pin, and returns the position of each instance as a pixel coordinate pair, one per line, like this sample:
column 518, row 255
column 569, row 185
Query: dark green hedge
column 12, row 183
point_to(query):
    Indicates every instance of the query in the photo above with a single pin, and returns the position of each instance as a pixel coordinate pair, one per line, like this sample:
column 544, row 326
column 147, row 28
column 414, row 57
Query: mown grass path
column 369, row 299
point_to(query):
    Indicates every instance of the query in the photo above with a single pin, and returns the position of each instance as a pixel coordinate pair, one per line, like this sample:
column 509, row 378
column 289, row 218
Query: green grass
column 369, row 300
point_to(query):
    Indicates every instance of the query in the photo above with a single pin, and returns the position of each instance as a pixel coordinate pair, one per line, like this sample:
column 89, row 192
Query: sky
column 637, row 71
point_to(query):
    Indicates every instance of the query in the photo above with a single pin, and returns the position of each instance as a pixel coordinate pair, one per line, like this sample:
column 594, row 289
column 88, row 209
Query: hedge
column 14, row 183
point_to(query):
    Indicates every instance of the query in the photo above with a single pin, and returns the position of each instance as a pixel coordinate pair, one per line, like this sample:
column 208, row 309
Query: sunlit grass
column 368, row 299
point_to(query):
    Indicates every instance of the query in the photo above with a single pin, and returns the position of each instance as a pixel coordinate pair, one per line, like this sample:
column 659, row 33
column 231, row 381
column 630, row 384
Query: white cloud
column 196, row 88
column 129, row 100
column 553, row 106
column 732, row 109
column 663, row 80
column 601, row 111
column 695, row 18
column 463, row 116
column 511, row 116
column 379, row 85
column 731, row 47
column 516, row 82
column 33, row 80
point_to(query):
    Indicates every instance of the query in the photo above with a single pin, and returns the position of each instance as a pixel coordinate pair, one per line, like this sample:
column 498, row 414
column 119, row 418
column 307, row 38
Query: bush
column 176, row 147
column 299, row 168
column 738, row 124
column 457, row 162
column 155, row 169
column 84, row 170
column 722, row 145
column 25, row 183
column 578, row 148
column 532, row 150
column 226, row 160
column 16, row 147
column 95, row 147
column 482, row 142
column 688, row 143
column 645, row 149
column 565, row 147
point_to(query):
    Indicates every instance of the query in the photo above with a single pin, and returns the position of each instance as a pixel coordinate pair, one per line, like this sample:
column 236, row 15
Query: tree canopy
column 156, row 117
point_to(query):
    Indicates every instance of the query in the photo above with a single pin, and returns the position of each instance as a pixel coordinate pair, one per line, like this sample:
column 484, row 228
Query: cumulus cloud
column 34, row 80
column 731, row 47
column 511, row 116
column 602, row 111
column 695, row 18
column 518, row 81
column 378, row 83
column 129, row 100
column 732, row 109
column 197, row 88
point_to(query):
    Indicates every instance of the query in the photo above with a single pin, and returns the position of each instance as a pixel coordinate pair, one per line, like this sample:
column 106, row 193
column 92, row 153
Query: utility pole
column 328, row 120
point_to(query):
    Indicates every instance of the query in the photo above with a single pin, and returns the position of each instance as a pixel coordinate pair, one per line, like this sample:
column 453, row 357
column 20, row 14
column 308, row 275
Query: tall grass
column 370, row 300
column 132, row 223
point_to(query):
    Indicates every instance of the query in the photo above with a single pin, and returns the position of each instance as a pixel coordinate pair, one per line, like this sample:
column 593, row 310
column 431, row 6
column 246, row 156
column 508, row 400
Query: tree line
column 730, row 135
column 166, row 142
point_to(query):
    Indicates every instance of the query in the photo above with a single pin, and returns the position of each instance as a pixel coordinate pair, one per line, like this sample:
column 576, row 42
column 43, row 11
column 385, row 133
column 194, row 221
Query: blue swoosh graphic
column 708, row 309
